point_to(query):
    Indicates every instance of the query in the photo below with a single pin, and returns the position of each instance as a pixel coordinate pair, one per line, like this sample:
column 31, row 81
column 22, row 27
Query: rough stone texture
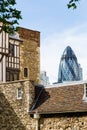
column 30, row 54
column 64, row 123
column 14, row 112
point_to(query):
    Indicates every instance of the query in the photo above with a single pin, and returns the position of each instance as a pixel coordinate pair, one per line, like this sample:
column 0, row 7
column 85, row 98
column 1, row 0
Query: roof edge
column 59, row 112
column 67, row 84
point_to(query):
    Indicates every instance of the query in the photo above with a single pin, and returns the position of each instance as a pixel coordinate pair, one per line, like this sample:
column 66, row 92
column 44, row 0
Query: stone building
column 30, row 54
column 26, row 105
column 20, row 55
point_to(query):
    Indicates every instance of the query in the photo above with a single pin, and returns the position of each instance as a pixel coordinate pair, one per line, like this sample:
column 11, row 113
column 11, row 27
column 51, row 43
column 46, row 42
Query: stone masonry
column 65, row 122
column 30, row 54
column 14, row 113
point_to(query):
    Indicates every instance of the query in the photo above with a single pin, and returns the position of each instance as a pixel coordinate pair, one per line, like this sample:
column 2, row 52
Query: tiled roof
column 61, row 99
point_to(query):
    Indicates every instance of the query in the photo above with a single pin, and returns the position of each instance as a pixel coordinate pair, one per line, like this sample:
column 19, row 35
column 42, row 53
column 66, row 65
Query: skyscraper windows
column 69, row 68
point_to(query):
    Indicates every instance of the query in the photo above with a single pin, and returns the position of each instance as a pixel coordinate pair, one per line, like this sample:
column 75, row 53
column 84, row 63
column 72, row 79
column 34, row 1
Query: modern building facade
column 44, row 79
column 69, row 68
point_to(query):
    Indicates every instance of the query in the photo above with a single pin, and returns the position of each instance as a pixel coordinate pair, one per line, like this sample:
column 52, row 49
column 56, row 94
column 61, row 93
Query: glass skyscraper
column 69, row 68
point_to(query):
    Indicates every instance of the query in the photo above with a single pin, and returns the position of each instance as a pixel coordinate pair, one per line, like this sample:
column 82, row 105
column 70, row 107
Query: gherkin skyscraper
column 69, row 68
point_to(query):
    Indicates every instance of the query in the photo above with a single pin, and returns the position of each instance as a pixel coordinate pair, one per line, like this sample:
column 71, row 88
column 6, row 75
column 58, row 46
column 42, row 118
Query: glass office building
column 69, row 68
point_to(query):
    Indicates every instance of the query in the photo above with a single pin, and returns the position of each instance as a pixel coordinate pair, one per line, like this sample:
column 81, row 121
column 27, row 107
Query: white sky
column 59, row 28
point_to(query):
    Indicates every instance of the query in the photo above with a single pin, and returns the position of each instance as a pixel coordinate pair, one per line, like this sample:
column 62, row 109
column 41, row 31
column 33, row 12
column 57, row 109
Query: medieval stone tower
column 30, row 54
column 19, row 71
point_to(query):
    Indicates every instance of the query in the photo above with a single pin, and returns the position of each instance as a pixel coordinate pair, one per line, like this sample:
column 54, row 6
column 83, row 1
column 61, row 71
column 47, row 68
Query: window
column 11, row 49
column 16, row 76
column 19, row 93
column 85, row 93
column 7, row 76
column 25, row 72
column 12, row 74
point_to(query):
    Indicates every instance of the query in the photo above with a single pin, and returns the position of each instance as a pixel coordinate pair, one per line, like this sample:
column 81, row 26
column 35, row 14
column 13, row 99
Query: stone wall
column 30, row 54
column 14, row 112
column 75, row 121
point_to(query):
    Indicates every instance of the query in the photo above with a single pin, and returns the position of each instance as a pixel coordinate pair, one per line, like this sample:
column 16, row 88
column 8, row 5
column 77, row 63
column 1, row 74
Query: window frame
column 19, row 93
column 26, row 72
column 85, row 93
column 11, row 50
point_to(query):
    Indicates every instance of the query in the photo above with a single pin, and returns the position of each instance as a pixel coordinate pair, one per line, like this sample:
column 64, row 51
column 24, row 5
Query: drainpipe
column 37, row 117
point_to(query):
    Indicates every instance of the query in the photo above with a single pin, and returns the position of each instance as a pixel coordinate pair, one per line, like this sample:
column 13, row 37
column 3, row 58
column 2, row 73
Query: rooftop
column 60, row 98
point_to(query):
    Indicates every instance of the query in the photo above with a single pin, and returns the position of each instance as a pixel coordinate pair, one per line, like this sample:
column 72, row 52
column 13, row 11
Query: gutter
column 36, row 114
column 37, row 117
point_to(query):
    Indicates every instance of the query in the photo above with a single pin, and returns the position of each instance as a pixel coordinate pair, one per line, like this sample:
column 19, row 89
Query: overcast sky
column 59, row 28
